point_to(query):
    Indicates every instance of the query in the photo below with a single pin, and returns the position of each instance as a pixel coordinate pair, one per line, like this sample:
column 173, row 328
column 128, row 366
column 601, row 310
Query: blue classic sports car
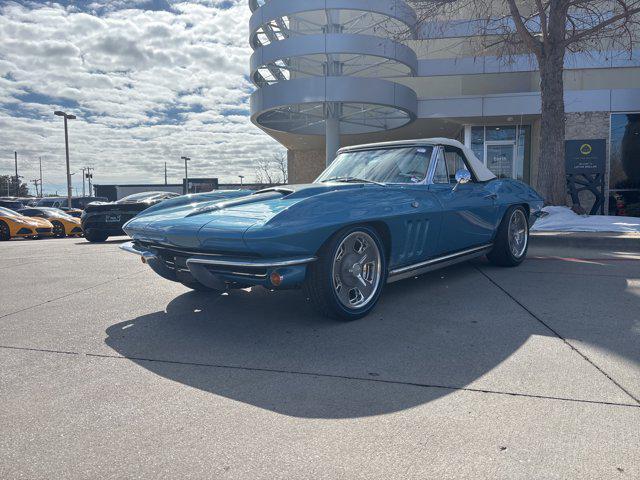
column 379, row 213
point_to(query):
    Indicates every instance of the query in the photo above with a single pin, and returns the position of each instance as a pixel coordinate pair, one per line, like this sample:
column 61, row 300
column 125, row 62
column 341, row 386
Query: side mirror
column 462, row 176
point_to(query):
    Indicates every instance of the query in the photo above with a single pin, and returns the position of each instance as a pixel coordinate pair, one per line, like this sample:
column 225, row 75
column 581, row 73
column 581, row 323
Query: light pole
column 67, row 116
column 186, row 175
column 241, row 178
column 90, row 179
column 15, row 156
column 41, row 194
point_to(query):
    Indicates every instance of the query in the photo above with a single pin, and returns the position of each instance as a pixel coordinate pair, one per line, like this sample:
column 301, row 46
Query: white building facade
column 331, row 73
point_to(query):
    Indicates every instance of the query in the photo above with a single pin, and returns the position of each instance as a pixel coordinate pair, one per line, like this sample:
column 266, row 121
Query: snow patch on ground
column 563, row 219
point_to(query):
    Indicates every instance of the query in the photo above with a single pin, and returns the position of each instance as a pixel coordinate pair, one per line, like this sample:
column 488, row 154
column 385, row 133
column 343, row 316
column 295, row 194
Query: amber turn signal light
column 276, row 279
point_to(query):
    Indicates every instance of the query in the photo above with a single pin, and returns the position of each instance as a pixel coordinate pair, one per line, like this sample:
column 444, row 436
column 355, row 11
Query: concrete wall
column 304, row 166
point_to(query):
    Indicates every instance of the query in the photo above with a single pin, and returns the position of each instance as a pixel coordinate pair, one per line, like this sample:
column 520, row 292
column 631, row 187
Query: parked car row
column 47, row 217
column 37, row 223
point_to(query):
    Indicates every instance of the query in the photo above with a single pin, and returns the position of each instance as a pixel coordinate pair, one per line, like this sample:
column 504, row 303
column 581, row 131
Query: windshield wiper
column 353, row 179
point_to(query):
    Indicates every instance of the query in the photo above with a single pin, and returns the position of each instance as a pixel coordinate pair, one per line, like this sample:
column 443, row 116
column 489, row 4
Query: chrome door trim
column 438, row 262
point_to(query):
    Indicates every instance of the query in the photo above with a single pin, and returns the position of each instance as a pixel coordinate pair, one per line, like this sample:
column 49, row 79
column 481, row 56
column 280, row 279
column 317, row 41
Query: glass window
column 140, row 197
column 624, row 177
column 455, row 161
column 523, row 135
column 477, row 142
column 386, row 165
column 500, row 159
column 440, row 174
column 500, row 133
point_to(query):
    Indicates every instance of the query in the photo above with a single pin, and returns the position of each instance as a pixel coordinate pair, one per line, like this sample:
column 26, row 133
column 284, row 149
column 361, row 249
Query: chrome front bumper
column 216, row 271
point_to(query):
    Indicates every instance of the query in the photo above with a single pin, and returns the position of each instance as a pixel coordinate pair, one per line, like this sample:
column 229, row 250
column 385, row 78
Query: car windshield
column 140, row 197
column 55, row 212
column 49, row 201
column 11, row 205
column 389, row 165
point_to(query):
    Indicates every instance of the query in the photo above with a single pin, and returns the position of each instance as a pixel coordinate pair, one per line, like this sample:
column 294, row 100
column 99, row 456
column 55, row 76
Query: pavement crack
column 326, row 375
column 557, row 334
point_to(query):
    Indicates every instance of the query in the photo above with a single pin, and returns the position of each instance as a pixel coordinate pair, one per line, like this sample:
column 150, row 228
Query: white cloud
column 148, row 85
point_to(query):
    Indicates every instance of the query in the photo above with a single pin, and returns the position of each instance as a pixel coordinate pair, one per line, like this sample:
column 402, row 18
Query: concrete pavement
column 469, row 372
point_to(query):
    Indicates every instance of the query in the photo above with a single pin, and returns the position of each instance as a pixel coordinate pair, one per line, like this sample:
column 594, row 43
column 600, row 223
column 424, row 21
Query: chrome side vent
column 415, row 239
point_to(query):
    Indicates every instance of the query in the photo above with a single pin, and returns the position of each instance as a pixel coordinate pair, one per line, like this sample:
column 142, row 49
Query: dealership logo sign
column 586, row 149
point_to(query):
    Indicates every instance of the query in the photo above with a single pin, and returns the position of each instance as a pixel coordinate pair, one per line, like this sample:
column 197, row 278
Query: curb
column 608, row 240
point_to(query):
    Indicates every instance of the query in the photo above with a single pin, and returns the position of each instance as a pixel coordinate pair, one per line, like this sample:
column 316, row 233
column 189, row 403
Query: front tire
column 347, row 279
column 512, row 239
column 95, row 237
column 5, row 233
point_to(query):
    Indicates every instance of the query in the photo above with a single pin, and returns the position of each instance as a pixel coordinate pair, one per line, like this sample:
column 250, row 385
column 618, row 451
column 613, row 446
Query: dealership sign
column 585, row 161
column 583, row 157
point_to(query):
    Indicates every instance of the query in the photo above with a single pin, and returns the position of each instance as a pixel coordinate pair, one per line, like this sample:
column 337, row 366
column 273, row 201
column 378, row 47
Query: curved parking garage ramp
column 326, row 67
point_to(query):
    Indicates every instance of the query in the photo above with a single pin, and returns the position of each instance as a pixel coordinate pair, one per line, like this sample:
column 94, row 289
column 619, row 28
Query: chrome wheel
column 357, row 270
column 518, row 233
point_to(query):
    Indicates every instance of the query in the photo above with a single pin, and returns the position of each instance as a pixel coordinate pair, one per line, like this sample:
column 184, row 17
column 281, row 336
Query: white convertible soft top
column 481, row 172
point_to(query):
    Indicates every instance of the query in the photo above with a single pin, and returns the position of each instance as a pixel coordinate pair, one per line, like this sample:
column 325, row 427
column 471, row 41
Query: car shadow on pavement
column 270, row 349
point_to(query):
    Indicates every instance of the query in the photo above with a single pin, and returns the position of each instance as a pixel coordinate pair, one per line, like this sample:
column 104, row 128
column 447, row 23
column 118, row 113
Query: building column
column 332, row 135
column 467, row 136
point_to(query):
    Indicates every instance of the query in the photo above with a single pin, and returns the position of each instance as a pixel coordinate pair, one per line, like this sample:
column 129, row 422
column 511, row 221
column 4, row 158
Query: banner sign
column 585, row 157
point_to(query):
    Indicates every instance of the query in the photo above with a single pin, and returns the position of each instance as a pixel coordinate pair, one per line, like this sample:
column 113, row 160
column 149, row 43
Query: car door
column 469, row 210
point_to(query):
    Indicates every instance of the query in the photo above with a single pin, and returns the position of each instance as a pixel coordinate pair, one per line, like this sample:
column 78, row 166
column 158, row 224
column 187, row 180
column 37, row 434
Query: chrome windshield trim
column 249, row 264
column 444, row 258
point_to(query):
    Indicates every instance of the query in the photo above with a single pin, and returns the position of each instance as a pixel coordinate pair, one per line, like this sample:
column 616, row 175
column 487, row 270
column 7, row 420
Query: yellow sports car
column 63, row 223
column 13, row 224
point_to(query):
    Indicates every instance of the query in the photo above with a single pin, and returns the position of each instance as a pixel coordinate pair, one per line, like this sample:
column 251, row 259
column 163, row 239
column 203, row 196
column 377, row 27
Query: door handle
column 492, row 196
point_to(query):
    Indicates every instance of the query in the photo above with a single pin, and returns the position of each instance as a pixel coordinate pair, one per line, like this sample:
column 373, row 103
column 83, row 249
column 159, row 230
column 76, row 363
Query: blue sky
column 149, row 80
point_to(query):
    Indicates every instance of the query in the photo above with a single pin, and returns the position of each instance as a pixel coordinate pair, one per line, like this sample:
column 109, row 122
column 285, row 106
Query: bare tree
column 272, row 171
column 280, row 162
column 547, row 29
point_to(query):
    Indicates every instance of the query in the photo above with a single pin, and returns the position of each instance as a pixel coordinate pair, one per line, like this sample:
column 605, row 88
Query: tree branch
column 626, row 15
column 529, row 40
column 543, row 18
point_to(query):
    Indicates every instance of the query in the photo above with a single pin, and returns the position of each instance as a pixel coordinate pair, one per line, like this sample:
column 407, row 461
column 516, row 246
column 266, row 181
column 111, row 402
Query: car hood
column 220, row 224
column 37, row 222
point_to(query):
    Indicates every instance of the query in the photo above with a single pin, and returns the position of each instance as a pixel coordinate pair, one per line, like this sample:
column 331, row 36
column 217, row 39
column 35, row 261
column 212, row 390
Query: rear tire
column 348, row 278
column 58, row 229
column 95, row 237
column 512, row 240
column 5, row 233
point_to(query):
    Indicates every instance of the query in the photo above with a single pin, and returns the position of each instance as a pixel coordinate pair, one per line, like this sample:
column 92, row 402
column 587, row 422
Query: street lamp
column 67, row 116
column 186, row 175
column 241, row 178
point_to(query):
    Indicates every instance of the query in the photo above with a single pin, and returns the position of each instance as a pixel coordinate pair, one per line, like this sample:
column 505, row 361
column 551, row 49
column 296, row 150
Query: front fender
column 303, row 227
